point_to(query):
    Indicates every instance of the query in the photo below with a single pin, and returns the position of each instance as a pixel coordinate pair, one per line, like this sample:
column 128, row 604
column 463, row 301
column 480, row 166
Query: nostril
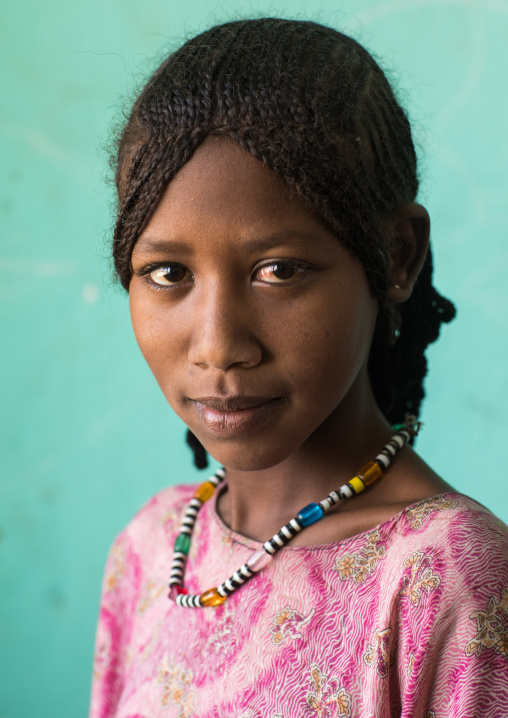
column 223, row 352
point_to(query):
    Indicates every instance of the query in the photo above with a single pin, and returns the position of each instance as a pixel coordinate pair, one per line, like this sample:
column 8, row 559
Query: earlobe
column 409, row 230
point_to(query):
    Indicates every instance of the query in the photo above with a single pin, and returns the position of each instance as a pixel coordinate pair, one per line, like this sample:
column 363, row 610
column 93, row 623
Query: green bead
column 182, row 543
column 398, row 427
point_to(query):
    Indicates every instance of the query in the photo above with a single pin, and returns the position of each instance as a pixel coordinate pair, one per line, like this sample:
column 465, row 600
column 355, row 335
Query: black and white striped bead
column 188, row 601
column 177, row 569
column 193, row 507
column 218, row 477
column 398, row 440
column 187, row 525
column 331, row 500
column 235, row 581
column 282, row 537
column 190, row 515
column 346, row 492
column 383, row 460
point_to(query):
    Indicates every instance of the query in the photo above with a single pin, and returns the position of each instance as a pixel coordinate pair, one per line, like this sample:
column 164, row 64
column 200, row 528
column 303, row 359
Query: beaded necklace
column 306, row 517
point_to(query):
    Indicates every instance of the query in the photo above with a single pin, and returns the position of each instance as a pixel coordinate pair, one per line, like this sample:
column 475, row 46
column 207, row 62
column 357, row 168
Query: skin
column 239, row 290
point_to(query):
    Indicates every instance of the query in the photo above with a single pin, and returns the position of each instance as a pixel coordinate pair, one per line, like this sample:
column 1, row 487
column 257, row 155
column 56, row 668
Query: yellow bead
column 357, row 484
column 205, row 491
column 370, row 472
column 211, row 598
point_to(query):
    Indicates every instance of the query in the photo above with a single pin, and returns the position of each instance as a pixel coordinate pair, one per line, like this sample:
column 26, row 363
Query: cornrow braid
column 316, row 108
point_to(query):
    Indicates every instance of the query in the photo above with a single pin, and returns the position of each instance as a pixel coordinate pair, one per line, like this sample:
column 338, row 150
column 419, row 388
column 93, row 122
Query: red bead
column 174, row 591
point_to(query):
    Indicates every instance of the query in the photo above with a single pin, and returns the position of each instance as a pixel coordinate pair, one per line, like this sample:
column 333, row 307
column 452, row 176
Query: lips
column 235, row 416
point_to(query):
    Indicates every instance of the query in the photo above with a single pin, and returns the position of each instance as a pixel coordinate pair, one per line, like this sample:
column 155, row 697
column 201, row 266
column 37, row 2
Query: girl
column 280, row 287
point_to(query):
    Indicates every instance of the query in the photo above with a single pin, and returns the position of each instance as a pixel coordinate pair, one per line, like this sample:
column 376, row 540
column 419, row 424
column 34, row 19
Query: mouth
column 235, row 416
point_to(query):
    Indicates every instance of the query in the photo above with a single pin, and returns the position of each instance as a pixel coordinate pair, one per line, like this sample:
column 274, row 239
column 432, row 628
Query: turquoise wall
column 86, row 436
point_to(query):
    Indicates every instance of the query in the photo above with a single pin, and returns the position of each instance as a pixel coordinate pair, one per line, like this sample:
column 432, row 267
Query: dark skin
column 257, row 323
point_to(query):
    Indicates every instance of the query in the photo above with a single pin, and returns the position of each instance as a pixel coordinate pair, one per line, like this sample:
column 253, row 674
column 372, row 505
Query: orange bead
column 211, row 598
column 204, row 491
column 370, row 472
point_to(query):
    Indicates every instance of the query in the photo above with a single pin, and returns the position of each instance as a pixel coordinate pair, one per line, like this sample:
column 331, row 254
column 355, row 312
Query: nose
column 223, row 333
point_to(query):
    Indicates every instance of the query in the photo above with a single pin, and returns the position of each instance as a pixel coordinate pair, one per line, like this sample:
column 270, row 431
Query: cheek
column 142, row 323
column 333, row 338
column 157, row 341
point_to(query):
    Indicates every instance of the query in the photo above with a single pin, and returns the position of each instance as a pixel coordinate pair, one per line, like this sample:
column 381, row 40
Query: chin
column 246, row 458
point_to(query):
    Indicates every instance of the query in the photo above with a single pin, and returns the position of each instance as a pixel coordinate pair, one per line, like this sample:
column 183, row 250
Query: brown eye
column 168, row 276
column 279, row 272
column 284, row 271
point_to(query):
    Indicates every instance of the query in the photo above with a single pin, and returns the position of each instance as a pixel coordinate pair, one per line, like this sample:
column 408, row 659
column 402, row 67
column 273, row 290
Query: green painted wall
column 86, row 436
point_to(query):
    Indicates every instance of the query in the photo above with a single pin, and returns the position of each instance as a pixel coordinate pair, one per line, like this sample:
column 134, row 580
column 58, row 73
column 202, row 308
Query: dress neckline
column 239, row 538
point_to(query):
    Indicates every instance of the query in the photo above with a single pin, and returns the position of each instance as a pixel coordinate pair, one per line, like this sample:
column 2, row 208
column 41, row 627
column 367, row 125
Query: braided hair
column 317, row 109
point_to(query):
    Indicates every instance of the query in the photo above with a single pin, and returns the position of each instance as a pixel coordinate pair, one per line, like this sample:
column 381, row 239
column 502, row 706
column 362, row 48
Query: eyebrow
column 280, row 239
column 155, row 244
column 256, row 244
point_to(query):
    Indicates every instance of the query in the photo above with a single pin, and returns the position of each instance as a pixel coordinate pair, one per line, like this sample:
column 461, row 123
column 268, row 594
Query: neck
column 257, row 503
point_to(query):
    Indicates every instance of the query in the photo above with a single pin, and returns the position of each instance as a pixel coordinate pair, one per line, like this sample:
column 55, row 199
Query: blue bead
column 310, row 514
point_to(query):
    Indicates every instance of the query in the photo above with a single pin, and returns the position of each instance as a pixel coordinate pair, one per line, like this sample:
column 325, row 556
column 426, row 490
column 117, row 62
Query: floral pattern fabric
column 409, row 619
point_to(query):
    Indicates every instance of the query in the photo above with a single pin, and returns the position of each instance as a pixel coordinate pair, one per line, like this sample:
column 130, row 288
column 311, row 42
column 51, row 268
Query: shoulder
column 447, row 545
column 459, row 522
column 450, row 533
column 454, row 547
column 161, row 514
column 445, row 579
column 151, row 531
column 144, row 546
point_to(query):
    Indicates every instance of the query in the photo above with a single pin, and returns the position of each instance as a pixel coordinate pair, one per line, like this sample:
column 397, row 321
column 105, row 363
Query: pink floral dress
column 409, row 619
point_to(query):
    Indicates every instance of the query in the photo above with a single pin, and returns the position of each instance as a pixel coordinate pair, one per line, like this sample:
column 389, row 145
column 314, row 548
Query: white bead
column 347, row 491
column 258, row 561
column 245, row 571
column 268, row 547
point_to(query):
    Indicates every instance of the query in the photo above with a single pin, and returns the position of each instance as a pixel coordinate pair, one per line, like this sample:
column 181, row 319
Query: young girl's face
column 253, row 318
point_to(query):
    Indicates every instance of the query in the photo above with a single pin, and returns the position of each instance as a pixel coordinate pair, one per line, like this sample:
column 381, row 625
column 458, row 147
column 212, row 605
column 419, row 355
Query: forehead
column 224, row 189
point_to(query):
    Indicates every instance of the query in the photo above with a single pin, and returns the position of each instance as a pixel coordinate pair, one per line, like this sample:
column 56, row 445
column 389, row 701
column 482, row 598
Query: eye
column 279, row 272
column 169, row 275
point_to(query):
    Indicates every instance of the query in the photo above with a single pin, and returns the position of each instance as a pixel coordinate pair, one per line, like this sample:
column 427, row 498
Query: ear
column 409, row 231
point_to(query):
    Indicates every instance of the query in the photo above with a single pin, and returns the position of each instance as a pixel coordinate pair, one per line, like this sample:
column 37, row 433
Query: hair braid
column 316, row 108
column 397, row 370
